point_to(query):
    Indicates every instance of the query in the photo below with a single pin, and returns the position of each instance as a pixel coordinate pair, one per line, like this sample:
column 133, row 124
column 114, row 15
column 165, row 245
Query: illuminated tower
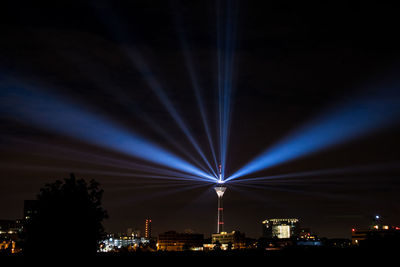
column 220, row 190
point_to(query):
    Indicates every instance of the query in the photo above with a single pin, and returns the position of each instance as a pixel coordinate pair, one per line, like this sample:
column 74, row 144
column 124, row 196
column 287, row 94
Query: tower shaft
column 220, row 190
column 220, row 220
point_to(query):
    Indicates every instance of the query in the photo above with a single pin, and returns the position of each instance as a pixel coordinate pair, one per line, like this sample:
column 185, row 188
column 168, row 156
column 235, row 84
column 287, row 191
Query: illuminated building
column 280, row 228
column 173, row 241
column 236, row 239
column 147, row 228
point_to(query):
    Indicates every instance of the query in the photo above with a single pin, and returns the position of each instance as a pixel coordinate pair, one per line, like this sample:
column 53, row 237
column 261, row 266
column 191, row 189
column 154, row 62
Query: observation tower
column 220, row 190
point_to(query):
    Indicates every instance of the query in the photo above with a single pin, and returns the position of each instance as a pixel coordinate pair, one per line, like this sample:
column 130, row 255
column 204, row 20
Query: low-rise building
column 173, row 241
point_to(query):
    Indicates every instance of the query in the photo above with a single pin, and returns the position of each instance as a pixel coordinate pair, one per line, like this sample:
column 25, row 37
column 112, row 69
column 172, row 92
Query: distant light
column 221, row 181
column 377, row 217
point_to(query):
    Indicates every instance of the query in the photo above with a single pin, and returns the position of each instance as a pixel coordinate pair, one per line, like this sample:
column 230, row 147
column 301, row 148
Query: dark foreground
column 303, row 256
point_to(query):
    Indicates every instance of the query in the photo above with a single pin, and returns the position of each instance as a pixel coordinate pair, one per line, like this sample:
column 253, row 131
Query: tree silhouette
column 68, row 219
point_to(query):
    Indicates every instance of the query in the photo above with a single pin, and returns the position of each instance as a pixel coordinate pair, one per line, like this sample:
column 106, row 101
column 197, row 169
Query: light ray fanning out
column 138, row 61
column 91, row 70
column 351, row 119
column 55, row 114
column 196, row 86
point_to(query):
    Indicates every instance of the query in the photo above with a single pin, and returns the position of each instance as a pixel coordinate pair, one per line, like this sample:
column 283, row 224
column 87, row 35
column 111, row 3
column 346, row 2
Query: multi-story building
column 173, row 241
column 280, row 228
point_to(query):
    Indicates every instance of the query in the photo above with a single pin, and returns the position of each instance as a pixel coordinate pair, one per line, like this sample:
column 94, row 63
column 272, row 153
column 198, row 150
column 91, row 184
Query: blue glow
column 79, row 156
column 226, row 29
column 350, row 120
column 52, row 113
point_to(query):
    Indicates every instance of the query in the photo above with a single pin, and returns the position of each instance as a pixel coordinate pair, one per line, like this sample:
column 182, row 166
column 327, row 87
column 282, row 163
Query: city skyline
column 294, row 111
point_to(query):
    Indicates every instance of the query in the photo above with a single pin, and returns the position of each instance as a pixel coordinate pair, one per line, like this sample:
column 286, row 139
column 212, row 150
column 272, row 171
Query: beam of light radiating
column 141, row 65
column 127, row 101
column 52, row 113
column 226, row 31
column 47, row 168
column 354, row 169
column 80, row 156
column 195, row 85
column 353, row 118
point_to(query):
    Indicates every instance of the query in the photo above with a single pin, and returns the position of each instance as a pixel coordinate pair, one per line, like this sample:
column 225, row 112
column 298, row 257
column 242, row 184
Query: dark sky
column 291, row 61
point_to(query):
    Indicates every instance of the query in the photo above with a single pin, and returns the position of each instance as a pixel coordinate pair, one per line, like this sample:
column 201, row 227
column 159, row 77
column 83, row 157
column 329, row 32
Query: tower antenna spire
column 220, row 181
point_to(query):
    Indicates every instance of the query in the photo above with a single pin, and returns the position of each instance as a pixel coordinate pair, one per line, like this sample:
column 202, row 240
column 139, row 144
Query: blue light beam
column 142, row 66
column 52, row 113
column 226, row 31
column 353, row 118
column 195, row 84
column 113, row 24
column 126, row 100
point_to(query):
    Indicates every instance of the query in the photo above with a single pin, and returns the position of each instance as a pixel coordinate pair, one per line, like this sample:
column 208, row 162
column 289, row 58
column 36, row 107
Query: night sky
column 292, row 62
